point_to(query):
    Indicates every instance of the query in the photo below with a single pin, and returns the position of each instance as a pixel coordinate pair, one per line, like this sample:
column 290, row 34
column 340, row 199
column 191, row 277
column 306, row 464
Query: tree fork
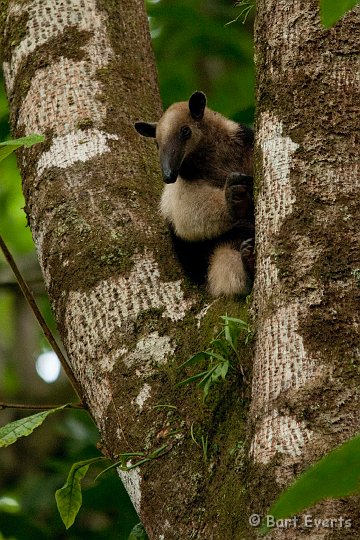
column 82, row 74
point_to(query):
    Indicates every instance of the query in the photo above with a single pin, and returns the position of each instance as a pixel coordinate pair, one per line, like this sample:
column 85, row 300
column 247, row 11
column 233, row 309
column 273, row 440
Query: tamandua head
column 177, row 133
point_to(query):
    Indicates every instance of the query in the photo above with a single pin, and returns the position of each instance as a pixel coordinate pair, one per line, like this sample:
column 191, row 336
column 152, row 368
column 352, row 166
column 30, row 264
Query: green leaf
column 124, row 458
column 210, row 377
column 164, row 406
column 69, row 497
column 198, row 357
column 137, row 464
column 213, row 354
column 222, row 347
column 224, row 368
column 191, row 379
column 9, row 505
column 24, row 141
column 218, row 371
column 206, row 387
column 23, row 427
column 121, row 464
column 336, row 475
column 232, row 329
column 138, row 533
column 158, row 451
column 332, row 10
column 8, row 147
column 129, row 455
column 229, row 335
column 239, row 322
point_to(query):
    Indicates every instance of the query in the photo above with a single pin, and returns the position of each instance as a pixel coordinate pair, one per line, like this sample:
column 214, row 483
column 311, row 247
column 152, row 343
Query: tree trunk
column 306, row 296
column 82, row 73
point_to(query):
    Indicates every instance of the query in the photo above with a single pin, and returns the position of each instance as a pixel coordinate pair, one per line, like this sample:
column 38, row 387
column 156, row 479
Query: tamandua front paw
column 247, row 249
column 239, row 196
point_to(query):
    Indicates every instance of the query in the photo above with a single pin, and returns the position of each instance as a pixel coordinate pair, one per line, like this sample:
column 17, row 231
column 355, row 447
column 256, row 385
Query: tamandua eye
column 185, row 132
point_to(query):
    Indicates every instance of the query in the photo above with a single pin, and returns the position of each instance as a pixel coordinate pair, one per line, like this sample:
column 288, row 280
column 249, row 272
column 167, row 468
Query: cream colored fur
column 227, row 275
column 196, row 210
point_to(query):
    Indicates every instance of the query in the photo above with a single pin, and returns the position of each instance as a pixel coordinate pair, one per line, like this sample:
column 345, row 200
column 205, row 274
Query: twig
column 38, row 407
column 47, row 332
column 246, row 6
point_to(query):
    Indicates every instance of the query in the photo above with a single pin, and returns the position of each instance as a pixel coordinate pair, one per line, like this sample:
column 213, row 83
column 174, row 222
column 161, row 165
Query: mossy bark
column 306, row 364
column 83, row 73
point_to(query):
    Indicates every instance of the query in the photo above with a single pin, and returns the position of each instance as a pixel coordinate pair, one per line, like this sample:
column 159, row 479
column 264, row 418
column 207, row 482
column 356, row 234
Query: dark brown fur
column 219, row 154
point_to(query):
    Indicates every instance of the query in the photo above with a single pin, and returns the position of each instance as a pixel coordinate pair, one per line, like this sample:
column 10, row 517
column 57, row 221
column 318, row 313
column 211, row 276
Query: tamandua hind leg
column 227, row 275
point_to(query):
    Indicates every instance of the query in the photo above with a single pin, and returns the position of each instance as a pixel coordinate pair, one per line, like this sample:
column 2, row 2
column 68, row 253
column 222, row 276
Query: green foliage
column 8, row 147
column 9, row 505
column 12, row 216
column 69, row 497
column 202, row 53
column 332, row 10
column 138, row 533
column 122, row 463
column 23, row 427
column 203, row 444
column 111, row 514
column 336, row 475
column 221, row 354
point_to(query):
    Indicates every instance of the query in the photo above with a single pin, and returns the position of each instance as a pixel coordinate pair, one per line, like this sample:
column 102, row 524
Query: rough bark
column 82, row 73
column 305, row 395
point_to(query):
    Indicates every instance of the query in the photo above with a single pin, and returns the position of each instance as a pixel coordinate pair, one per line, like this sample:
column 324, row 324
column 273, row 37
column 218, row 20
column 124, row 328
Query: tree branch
column 38, row 407
column 33, row 306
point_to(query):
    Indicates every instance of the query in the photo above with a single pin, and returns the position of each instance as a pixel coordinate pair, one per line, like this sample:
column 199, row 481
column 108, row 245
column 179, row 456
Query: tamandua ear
column 197, row 103
column 146, row 129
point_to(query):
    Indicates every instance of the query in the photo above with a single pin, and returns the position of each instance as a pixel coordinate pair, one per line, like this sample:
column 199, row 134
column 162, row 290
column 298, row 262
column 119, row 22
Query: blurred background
column 199, row 45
